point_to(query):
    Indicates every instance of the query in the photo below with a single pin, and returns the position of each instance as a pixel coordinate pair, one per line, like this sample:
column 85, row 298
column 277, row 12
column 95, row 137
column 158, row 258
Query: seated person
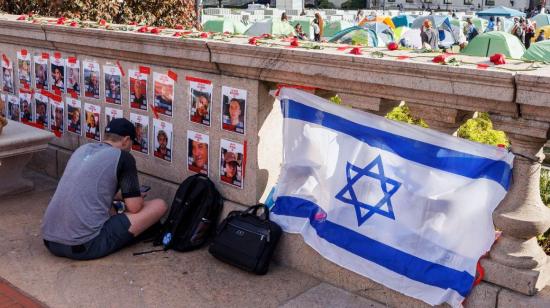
column 79, row 222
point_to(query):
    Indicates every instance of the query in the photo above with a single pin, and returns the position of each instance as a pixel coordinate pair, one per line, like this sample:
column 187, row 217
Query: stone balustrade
column 516, row 97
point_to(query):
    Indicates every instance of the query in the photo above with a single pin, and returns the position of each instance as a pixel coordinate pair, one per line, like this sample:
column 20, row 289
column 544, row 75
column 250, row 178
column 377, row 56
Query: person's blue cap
column 122, row 127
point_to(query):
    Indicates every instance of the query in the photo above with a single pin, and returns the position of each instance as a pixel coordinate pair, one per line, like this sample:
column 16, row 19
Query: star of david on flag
column 363, row 210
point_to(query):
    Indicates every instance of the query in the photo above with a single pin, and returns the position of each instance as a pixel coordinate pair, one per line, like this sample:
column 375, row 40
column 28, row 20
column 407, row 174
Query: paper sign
column 7, row 76
column 41, row 107
column 164, row 93
column 201, row 98
column 162, row 134
column 113, row 78
column 91, row 79
column 24, row 68
column 233, row 109
column 231, row 163
column 74, row 116
column 41, row 72
column 138, row 90
column 14, row 110
column 141, row 122
column 4, row 106
column 111, row 114
column 197, row 152
column 57, row 111
column 25, row 105
column 57, row 73
column 73, row 76
column 92, row 115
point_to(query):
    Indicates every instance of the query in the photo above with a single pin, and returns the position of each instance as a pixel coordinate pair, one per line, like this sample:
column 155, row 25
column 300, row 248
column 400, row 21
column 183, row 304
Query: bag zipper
column 251, row 231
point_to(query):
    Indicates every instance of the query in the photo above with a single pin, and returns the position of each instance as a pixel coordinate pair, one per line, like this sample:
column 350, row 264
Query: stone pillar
column 516, row 260
column 446, row 120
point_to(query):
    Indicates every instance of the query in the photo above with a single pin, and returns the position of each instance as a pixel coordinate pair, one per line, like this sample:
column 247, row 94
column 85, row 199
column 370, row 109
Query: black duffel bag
column 247, row 240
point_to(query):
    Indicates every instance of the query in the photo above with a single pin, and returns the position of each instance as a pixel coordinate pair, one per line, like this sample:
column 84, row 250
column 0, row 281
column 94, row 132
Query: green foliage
column 545, row 186
column 336, row 99
column 151, row 12
column 403, row 114
column 325, row 4
column 481, row 130
column 353, row 5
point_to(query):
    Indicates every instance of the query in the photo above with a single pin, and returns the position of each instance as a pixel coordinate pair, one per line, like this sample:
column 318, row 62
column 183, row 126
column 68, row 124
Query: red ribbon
column 155, row 111
column 120, row 68
column 482, row 66
column 172, row 75
column 199, row 80
column 5, row 58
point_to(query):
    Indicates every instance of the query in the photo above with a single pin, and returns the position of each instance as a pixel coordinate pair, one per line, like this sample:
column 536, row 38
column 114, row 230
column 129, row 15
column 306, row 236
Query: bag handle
column 253, row 210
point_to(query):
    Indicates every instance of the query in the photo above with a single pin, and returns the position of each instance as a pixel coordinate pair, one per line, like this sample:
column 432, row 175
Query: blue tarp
column 402, row 21
column 501, row 11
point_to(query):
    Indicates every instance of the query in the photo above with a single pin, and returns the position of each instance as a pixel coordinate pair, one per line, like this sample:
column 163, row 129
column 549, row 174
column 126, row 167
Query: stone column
column 446, row 120
column 516, row 260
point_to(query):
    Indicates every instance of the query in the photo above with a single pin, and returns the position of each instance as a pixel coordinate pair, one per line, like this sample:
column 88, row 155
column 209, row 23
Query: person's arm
column 129, row 183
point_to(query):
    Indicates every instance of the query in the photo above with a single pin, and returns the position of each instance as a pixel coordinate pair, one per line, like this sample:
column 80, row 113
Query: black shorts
column 113, row 236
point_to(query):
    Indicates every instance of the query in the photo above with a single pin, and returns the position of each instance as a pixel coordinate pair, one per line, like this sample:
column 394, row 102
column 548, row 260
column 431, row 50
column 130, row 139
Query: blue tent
column 501, row 11
column 383, row 31
column 402, row 21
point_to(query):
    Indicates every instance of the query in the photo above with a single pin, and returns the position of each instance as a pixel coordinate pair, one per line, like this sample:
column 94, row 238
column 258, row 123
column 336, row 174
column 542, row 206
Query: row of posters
column 64, row 76
column 74, row 117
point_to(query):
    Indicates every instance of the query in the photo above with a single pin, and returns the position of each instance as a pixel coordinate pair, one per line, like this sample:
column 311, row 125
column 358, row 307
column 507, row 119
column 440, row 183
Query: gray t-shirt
column 84, row 195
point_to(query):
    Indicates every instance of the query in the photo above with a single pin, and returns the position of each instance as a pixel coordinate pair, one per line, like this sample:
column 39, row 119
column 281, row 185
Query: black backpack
column 193, row 216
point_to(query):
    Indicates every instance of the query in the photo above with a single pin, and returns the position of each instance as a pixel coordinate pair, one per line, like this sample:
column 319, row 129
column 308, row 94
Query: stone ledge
column 507, row 298
column 527, row 282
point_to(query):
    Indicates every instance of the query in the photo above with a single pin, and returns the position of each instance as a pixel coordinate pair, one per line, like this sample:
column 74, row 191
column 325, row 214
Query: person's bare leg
column 151, row 212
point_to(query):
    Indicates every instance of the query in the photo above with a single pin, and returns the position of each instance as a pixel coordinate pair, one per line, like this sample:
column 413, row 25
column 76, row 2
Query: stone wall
column 515, row 96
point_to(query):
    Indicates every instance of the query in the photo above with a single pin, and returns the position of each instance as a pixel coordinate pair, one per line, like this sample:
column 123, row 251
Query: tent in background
column 538, row 52
column 383, row 19
column 382, row 30
column 501, row 11
column 357, row 36
column 411, row 38
column 546, row 32
column 487, row 44
column 541, row 20
column 305, row 22
column 402, row 20
column 440, row 23
column 335, row 26
column 224, row 25
column 270, row 26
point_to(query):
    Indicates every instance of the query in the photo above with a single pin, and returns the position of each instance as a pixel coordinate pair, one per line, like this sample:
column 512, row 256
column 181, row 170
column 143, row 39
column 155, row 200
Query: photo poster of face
column 57, row 112
column 3, row 105
column 7, row 75
column 24, row 68
column 74, row 115
column 138, row 89
column 197, row 152
column 111, row 114
column 91, row 79
column 141, row 123
column 162, row 133
column 92, row 115
column 14, row 112
column 41, row 71
column 57, row 73
column 201, row 98
column 231, row 163
column 25, row 105
column 164, row 93
column 233, row 109
column 113, row 79
column 73, row 76
column 41, row 107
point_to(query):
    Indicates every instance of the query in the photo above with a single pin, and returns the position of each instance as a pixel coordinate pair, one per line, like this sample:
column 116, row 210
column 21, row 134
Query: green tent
column 335, row 26
column 539, row 51
column 305, row 22
column 224, row 25
column 270, row 26
column 487, row 44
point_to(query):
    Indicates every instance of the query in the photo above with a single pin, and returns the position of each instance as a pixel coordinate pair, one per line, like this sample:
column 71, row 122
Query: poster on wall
column 141, row 123
column 74, row 115
column 41, row 71
column 14, row 112
column 91, row 79
column 111, row 114
column 200, row 91
column 57, row 71
column 197, row 152
column 41, row 107
column 231, row 163
column 113, row 79
column 73, row 76
column 164, row 93
column 24, row 68
column 7, row 75
column 4, row 105
column 57, row 114
column 233, row 109
column 92, row 115
column 162, row 134
column 25, row 104
column 138, row 89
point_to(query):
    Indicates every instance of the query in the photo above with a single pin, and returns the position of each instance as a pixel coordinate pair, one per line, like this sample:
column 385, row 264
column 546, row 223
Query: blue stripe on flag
column 384, row 255
column 431, row 155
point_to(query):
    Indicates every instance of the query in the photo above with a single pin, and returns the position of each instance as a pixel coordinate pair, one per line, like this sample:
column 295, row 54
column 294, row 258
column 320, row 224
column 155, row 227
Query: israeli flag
column 408, row 207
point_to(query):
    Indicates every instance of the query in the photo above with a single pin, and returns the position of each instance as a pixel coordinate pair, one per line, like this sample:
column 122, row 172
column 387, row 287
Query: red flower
column 253, row 41
column 393, row 46
column 294, row 43
column 498, row 59
column 102, row 22
column 61, row 21
column 143, row 29
column 133, row 23
column 267, row 36
column 204, row 35
column 73, row 24
column 22, row 17
column 440, row 58
column 177, row 34
column 227, row 33
column 179, row 27
column 156, row 30
column 356, row 51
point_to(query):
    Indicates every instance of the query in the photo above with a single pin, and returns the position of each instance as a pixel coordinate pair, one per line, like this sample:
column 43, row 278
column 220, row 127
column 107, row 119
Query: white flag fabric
column 408, row 207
